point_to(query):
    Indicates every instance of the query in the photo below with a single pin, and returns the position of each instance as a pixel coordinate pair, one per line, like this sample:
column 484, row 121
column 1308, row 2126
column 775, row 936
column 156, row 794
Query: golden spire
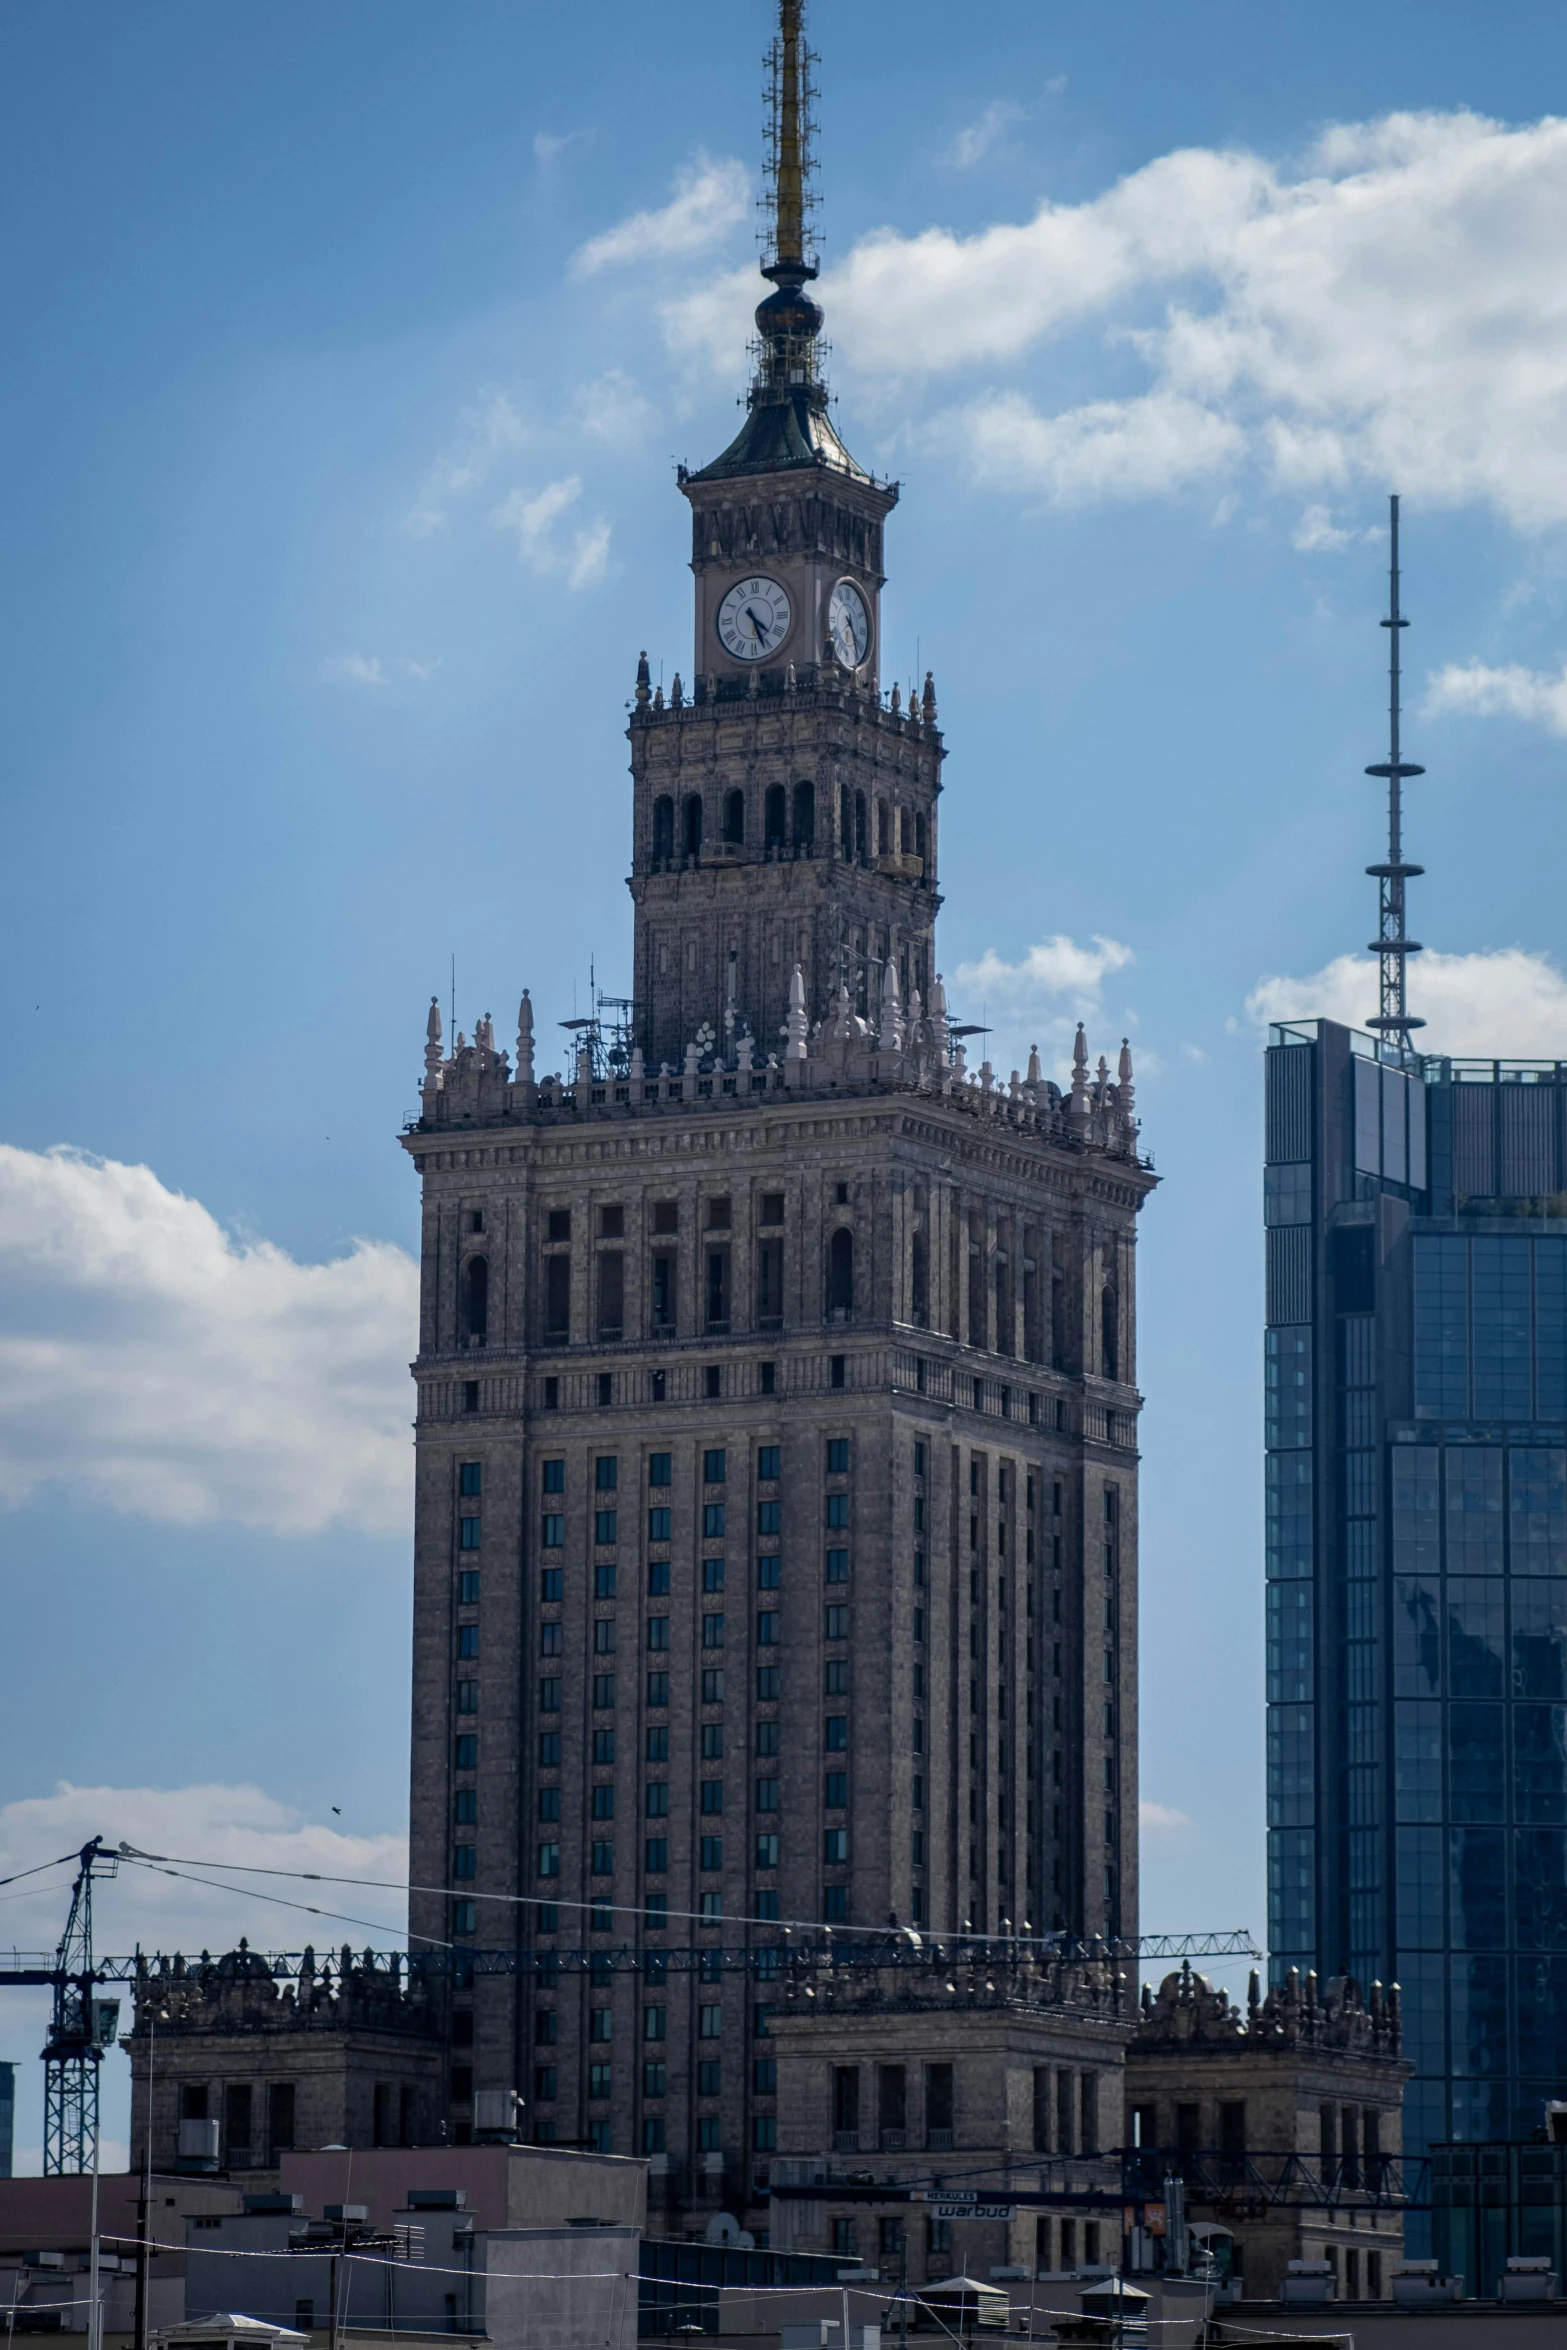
column 789, row 148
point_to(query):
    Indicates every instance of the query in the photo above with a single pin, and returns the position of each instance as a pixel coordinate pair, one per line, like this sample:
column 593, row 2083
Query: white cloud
column 1058, row 966
column 1160, row 1815
column 487, row 433
column 1317, row 533
column 353, row 669
column 1476, row 691
column 711, row 197
column 548, row 144
column 151, row 1362
column 1504, row 1003
column 976, row 140
column 1039, row 999
column 1260, row 303
column 612, row 409
column 241, row 1825
column 531, row 515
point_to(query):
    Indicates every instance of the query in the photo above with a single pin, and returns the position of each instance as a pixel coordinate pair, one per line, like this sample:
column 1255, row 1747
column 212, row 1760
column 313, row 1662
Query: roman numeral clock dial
column 753, row 619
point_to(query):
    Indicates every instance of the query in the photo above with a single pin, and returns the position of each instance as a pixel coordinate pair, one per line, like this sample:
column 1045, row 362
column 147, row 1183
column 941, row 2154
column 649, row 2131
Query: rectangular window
column 603, row 1803
column 603, row 1690
column 712, row 1574
column 767, row 1738
column 767, row 1851
column 712, row 1852
column 552, row 1584
column 604, row 1580
column 769, row 1463
column 769, row 1574
column 769, row 1681
column 552, row 1639
column 658, row 1631
column 713, row 1685
column 835, row 1679
column 604, row 1636
column 769, row 1517
column 554, row 1530
column 767, row 1794
column 466, row 1755
column 554, row 1476
column 658, row 1689
column 656, row 1799
column 464, row 1861
column 837, row 1509
column 712, row 1520
column 467, row 1697
column 549, row 1860
column 470, row 1479
column 767, row 1628
column 712, row 1741
column 468, row 1640
column 468, row 1588
column 549, row 1750
column 557, row 1296
column 660, row 1468
column 659, row 1523
column 837, row 1623
column 712, row 1631
column 663, row 1292
column 467, row 1533
column 710, row 2023
column 603, row 1860
column 606, row 1473
column 718, row 1289
column 599, row 2082
column 837, row 1456
column 655, row 1856
column 549, row 1803
column 837, row 1736
column 835, row 1844
column 655, row 2080
column 604, row 1525
column 769, row 1286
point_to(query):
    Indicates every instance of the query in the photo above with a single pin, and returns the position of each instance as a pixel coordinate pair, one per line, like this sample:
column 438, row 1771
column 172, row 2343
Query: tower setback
column 776, row 1518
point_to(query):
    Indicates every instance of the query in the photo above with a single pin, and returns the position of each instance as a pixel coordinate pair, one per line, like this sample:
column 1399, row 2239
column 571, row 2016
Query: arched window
column 1109, row 1336
column 804, row 817
column 476, row 1300
column 859, row 827
column 692, row 837
column 775, row 812
column 883, row 829
column 840, row 1272
column 663, row 829
column 845, row 822
column 919, row 838
column 734, row 817
column 906, row 832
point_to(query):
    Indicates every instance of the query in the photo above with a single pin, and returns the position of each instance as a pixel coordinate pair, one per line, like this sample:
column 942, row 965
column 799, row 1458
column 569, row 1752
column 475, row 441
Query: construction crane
column 81, row 2025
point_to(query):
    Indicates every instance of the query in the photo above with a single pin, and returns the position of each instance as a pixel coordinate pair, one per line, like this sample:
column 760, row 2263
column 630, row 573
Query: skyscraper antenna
column 1394, row 1021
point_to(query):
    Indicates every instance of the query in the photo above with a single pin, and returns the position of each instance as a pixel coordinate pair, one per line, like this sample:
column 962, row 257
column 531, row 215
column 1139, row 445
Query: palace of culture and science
column 776, row 1545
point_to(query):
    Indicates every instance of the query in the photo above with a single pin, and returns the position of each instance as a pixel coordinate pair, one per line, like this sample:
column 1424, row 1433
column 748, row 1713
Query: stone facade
column 345, row 2055
column 1308, row 2083
column 1006, row 2074
column 776, row 1515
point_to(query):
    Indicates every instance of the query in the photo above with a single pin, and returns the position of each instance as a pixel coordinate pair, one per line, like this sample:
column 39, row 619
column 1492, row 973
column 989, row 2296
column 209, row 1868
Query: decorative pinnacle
column 789, row 148
column 1394, row 1020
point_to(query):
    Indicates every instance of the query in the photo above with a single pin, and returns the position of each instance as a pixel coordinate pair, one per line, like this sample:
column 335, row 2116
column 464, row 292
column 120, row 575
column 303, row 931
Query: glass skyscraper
column 1416, row 1212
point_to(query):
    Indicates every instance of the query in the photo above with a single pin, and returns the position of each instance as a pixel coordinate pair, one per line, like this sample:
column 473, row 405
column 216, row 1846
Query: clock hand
column 760, row 626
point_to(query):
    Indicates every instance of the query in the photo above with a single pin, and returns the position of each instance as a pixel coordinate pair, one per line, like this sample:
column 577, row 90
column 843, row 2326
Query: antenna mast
column 1394, row 1020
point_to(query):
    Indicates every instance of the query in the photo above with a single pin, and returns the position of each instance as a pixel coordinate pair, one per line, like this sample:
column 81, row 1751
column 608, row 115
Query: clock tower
column 785, row 813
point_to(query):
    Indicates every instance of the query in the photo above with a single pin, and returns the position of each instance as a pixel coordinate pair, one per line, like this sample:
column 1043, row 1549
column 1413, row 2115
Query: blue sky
column 352, row 354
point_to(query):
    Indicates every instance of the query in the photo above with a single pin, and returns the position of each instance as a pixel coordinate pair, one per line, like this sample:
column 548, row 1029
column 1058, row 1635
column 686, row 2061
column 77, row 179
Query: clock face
column 848, row 624
column 753, row 619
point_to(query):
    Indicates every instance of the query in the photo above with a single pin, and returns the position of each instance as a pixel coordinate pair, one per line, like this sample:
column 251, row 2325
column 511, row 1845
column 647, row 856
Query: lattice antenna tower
column 1394, row 1019
column 790, row 162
